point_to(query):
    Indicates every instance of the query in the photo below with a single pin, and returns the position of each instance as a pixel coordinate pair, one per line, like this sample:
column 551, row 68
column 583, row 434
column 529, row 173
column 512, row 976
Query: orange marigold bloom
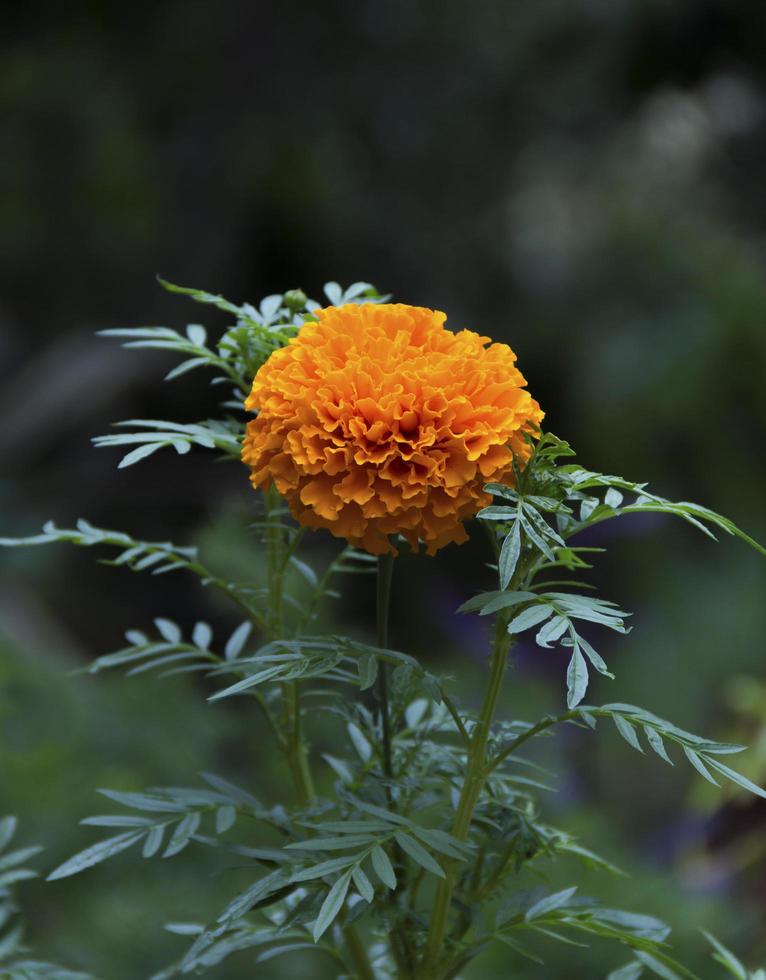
column 377, row 420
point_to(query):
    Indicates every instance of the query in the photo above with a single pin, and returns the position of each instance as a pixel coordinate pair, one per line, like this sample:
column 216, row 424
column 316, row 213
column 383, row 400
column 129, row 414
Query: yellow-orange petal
column 376, row 420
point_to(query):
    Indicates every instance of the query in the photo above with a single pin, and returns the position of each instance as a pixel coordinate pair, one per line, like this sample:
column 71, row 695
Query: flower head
column 376, row 420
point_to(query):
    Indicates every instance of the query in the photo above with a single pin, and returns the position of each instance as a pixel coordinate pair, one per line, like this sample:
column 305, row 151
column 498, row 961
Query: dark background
column 583, row 180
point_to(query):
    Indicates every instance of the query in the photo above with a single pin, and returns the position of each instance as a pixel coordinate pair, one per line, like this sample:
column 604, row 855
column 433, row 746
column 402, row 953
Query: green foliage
column 728, row 960
column 721, row 955
column 576, row 499
column 426, row 841
column 233, row 360
column 14, row 963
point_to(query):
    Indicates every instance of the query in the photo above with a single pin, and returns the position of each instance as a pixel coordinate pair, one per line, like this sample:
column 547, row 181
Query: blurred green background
column 583, row 180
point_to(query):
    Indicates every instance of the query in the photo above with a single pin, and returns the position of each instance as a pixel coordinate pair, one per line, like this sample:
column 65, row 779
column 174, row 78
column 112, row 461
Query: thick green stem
column 293, row 743
column 355, row 947
column 475, row 777
column 400, row 946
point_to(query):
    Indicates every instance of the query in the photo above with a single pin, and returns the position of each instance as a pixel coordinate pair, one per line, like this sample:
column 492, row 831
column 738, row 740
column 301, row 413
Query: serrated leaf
column 139, row 453
column 184, row 366
column 418, row 853
column 182, row 834
column 305, row 570
column 530, row 617
column 360, row 742
column 9, row 944
column 322, row 869
column 275, row 951
column 357, row 289
column 363, row 884
column 331, row 906
column 551, row 631
column 237, row 640
column 506, row 515
column 142, row 801
column 330, row 843
column 17, row 874
column 95, row 854
column 541, row 525
column 184, row 928
column 168, row 629
column 225, row 817
column 231, row 791
column 518, row 948
column 577, row 678
column 627, row 731
column 536, row 538
column 725, row 957
column 339, row 767
column 351, row 826
column 265, row 887
column 509, row 555
column 595, row 658
column 260, row 677
column 698, row 764
column 645, row 926
column 655, row 740
column 383, row 867
column 550, row 903
column 111, row 820
column 140, row 332
column 590, row 857
column 7, row 830
column 148, row 560
column 631, row 971
column 500, row 490
column 202, row 635
column 385, row 815
column 736, row 777
column 334, row 293
column 415, row 712
column 153, row 841
column 367, row 665
column 657, row 967
column 270, row 306
column 442, row 842
column 552, row 934
column 487, row 603
column 196, row 334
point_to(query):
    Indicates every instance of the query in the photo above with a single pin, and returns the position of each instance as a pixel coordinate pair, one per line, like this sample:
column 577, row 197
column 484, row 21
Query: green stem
column 399, row 942
column 385, row 572
column 530, row 733
column 278, row 556
column 450, row 706
column 358, row 954
column 475, row 777
column 297, row 756
column 274, row 567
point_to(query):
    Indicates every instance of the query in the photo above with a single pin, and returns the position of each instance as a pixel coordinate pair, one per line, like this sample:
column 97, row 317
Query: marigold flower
column 377, row 420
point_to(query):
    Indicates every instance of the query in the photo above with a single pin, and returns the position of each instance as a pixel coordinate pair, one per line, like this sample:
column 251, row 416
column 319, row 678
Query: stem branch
column 475, row 777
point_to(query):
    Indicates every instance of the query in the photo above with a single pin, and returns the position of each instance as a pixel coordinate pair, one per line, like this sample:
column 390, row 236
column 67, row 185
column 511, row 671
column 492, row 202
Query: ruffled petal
column 376, row 420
